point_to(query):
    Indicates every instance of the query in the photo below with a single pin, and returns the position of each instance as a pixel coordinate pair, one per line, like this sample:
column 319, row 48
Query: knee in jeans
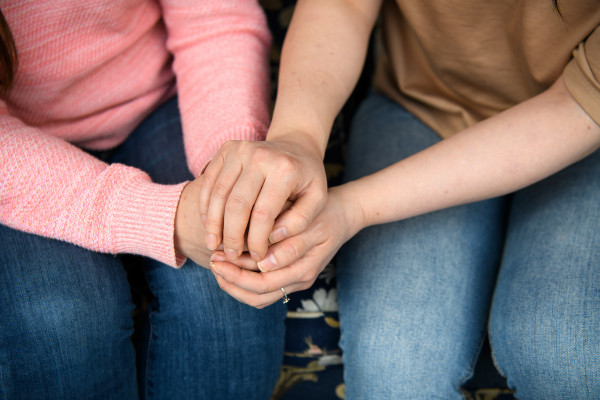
column 376, row 364
column 544, row 359
column 367, row 345
column 64, row 316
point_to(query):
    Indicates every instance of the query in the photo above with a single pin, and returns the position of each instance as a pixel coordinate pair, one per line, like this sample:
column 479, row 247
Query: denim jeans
column 415, row 296
column 66, row 312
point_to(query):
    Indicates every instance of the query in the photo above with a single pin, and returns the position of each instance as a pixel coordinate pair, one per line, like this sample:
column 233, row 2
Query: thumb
column 299, row 216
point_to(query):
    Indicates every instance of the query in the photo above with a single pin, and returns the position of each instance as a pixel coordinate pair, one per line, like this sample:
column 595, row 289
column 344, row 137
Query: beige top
column 454, row 63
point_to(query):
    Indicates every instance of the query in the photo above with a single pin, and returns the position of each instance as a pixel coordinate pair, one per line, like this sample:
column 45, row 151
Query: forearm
column 505, row 153
column 53, row 189
column 321, row 61
column 220, row 53
column 246, row 186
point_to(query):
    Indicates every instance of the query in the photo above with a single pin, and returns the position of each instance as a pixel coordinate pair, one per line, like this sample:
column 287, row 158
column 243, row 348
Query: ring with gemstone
column 285, row 296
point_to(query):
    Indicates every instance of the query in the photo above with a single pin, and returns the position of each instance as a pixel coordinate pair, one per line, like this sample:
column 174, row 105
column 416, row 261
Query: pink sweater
column 89, row 72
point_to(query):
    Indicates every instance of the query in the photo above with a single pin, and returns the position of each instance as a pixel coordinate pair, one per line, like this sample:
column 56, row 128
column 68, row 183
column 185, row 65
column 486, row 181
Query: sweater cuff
column 146, row 225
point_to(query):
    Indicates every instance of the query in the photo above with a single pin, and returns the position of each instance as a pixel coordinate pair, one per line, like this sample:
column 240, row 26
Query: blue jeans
column 415, row 296
column 66, row 313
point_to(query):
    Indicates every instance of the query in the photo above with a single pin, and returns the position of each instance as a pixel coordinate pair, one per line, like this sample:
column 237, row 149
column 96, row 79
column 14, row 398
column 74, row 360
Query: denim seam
column 474, row 359
column 2, row 384
column 147, row 361
column 493, row 356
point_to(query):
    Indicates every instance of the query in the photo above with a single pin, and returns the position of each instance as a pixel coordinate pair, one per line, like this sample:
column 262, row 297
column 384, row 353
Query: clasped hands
column 267, row 218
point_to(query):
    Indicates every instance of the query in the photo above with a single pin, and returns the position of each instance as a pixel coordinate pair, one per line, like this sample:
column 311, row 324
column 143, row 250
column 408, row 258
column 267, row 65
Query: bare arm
column 507, row 152
column 321, row 62
column 247, row 183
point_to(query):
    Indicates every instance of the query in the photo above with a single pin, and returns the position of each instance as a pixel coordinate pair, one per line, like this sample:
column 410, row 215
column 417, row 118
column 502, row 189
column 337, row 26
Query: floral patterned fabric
column 312, row 366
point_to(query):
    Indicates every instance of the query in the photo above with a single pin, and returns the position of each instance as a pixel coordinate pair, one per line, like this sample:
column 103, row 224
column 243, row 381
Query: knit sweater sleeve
column 220, row 51
column 54, row 189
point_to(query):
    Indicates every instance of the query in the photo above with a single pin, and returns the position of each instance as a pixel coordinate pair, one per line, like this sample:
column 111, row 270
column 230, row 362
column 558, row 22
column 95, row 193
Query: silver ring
column 285, row 296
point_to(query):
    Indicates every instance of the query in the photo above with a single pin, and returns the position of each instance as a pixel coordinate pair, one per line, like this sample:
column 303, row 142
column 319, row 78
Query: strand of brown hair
column 8, row 57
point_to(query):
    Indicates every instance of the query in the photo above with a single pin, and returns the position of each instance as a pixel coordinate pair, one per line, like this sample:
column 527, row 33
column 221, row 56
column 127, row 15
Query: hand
column 295, row 263
column 189, row 231
column 246, row 186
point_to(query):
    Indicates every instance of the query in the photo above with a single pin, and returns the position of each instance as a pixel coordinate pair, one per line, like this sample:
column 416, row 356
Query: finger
column 228, row 175
column 207, row 180
column 286, row 207
column 257, row 282
column 252, row 299
column 237, row 210
column 272, row 198
column 300, row 215
column 290, row 250
column 243, row 261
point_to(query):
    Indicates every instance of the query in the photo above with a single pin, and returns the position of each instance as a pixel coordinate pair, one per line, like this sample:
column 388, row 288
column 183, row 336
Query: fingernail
column 231, row 253
column 267, row 263
column 203, row 218
column 216, row 269
column 254, row 256
column 217, row 257
column 211, row 241
column 277, row 235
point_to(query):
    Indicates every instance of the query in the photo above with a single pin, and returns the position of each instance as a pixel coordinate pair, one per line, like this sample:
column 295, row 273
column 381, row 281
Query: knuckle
column 300, row 221
column 312, row 277
column 287, row 164
column 205, row 182
column 262, row 214
column 232, row 240
column 212, row 224
column 309, row 276
column 261, row 287
column 290, row 251
column 220, row 190
column 320, row 233
column 321, row 195
column 244, row 146
column 264, row 288
column 236, row 202
column 308, row 281
column 288, row 168
column 228, row 146
column 234, row 279
column 260, row 154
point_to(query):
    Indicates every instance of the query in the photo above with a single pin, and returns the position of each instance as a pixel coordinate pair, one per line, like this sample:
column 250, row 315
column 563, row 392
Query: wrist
column 180, row 227
column 354, row 215
column 188, row 234
column 313, row 140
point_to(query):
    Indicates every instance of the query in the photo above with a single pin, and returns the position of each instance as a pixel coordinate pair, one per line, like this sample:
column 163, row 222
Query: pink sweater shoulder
column 89, row 72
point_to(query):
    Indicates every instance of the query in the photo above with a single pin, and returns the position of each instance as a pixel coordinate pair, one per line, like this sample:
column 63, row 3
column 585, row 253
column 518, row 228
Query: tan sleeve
column 582, row 75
